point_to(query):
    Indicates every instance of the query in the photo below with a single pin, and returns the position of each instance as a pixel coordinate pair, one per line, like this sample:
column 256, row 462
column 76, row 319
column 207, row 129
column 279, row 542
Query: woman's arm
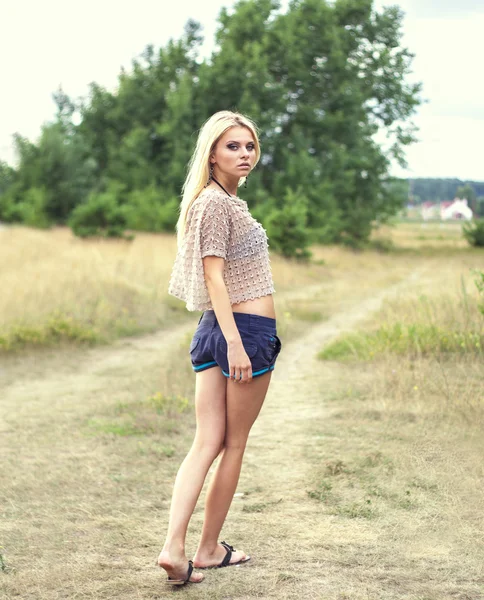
column 239, row 362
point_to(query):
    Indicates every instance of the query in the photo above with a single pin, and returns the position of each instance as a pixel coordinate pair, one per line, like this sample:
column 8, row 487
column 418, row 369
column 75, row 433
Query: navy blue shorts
column 208, row 347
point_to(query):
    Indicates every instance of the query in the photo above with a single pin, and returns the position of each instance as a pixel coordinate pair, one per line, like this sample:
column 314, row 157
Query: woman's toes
column 238, row 556
column 197, row 577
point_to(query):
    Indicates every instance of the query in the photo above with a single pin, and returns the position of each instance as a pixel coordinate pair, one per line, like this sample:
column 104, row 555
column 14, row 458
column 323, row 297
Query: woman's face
column 234, row 154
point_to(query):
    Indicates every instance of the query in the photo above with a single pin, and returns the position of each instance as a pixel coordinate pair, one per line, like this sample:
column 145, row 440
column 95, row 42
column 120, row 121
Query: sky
column 47, row 44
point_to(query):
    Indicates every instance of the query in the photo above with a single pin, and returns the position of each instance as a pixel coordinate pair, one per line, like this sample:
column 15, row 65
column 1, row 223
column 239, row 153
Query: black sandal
column 228, row 555
column 170, row 581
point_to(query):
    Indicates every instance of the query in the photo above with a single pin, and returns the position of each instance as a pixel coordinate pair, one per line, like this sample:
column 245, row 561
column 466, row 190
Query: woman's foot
column 204, row 559
column 177, row 567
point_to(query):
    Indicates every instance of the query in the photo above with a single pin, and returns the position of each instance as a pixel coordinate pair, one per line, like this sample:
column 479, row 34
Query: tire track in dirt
column 46, row 385
column 276, row 471
column 36, row 376
column 288, row 404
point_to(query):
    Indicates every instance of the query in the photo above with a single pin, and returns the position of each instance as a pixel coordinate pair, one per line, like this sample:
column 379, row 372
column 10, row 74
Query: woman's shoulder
column 208, row 205
column 212, row 194
column 211, row 200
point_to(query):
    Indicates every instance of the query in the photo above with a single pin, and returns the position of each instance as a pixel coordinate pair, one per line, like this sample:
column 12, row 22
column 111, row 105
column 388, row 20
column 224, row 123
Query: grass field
column 363, row 476
column 423, row 235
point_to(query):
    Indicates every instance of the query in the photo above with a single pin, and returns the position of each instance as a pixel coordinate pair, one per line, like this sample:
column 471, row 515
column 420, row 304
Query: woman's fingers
column 248, row 375
column 241, row 374
column 244, row 374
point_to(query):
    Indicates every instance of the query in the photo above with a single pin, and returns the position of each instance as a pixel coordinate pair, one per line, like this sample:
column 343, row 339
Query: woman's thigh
column 244, row 402
column 210, row 406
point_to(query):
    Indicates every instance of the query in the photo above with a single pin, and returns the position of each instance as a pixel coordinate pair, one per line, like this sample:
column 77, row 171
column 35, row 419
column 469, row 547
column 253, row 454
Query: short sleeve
column 215, row 228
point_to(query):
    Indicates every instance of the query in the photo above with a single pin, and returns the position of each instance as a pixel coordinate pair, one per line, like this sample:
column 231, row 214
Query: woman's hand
column 240, row 367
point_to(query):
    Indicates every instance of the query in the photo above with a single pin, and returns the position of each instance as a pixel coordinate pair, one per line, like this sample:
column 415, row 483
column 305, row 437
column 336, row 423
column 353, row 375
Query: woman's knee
column 207, row 447
column 235, row 443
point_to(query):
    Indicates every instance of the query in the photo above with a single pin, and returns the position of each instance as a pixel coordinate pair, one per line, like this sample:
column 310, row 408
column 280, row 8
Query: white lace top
column 219, row 225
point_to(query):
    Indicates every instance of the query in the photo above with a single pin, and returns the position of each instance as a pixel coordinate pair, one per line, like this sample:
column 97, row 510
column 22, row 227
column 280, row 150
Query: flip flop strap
column 190, row 569
column 227, row 556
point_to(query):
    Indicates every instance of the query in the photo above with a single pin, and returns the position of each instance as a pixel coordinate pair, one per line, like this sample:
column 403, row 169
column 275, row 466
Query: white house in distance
column 446, row 211
column 457, row 209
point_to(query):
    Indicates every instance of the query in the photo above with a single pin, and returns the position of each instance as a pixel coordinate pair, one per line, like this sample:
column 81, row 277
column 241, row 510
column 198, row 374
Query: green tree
column 467, row 192
column 33, row 208
column 7, row 201
column 145, row 211
column 480, row 206
column 101, row 215
column 7, row 176
column 287, row 227
column 320, row 78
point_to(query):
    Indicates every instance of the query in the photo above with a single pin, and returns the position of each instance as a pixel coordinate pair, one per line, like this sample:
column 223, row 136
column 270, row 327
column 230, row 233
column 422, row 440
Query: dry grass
column 104, row 288
column 58, row 288
column 355, row 485
column 402, row 448
column 400, row 481
column 421, row 235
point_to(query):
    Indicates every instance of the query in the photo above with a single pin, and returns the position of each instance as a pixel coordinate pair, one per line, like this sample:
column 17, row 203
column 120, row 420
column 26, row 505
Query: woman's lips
column 244, row 166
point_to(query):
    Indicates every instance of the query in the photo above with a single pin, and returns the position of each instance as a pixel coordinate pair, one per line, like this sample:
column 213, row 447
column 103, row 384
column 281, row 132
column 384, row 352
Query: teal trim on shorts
column 255, row 373
column 204, row 366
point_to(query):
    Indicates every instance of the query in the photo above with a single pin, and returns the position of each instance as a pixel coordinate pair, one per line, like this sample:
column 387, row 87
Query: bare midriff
column 259, row 306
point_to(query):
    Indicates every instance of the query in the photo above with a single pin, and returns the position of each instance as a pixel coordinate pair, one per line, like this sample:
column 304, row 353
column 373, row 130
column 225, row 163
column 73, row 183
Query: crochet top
column 219, row 225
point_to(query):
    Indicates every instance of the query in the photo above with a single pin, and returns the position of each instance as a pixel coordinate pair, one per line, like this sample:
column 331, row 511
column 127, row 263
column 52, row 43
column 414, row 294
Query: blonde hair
column 199, row 168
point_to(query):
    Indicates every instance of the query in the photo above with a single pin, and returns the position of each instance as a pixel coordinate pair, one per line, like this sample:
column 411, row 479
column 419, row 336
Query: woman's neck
column 229, row 183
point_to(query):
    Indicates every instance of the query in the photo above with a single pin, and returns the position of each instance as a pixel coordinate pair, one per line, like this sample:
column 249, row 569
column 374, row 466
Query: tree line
column 320, row 79
column 437, row 190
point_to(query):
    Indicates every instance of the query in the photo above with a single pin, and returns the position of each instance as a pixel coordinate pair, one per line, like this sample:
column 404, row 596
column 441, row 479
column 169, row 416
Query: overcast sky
column 56, row 42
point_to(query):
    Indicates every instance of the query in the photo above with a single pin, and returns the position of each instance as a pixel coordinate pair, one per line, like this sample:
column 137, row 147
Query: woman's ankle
column 207, row 548
column 175, row 547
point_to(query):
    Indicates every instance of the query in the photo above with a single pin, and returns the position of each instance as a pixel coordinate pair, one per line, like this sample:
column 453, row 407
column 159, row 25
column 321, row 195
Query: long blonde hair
column 199, row 168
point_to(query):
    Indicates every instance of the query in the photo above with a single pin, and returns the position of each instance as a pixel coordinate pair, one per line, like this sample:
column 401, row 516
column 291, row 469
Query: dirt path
column 83, row 370
column 271, row 509
column 290, row 531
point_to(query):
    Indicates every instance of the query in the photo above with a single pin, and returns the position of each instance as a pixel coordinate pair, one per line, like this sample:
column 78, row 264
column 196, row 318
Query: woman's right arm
column 239, row 362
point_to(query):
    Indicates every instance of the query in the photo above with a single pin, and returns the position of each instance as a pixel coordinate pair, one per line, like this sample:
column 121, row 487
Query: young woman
column 222, row 268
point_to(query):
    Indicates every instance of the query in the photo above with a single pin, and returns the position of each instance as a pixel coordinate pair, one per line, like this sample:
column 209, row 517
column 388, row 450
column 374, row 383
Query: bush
column 480, row 287
column 287, row 227
column 33, row 208
column 25, row 207
column 474, row 232
column 10, row 209
column 101, row 215
column 145, row 211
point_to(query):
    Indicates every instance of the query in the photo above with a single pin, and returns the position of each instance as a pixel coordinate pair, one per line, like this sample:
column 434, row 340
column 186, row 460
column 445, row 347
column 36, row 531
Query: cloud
column 443, row 9
column 448, row 147
column 447, row 62
column 47, row 44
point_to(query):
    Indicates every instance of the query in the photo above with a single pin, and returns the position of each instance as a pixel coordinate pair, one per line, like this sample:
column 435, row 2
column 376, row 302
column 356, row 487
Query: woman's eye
column 235, row 147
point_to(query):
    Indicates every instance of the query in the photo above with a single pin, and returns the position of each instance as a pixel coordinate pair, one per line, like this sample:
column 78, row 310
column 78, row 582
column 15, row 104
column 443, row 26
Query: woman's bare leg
column 244, row 402
column 210, row 408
